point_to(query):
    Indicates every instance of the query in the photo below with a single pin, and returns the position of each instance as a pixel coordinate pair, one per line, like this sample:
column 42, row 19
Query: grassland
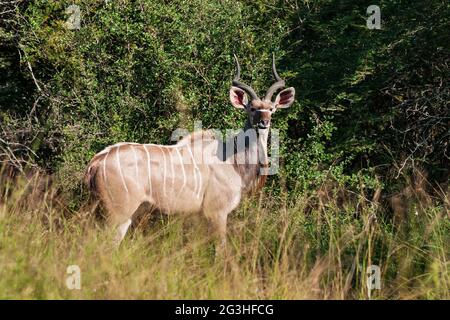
column 279, row 248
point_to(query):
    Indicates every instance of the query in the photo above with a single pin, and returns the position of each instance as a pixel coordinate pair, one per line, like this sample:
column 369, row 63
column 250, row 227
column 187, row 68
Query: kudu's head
column 259, row 110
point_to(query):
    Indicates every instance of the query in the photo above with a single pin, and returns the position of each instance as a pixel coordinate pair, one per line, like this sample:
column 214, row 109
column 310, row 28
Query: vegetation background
column 365, row 148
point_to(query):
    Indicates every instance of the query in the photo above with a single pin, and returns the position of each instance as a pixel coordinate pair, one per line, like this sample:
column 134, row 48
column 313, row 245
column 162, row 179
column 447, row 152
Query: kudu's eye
column 252, row 109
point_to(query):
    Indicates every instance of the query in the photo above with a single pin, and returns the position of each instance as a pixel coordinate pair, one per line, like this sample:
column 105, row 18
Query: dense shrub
column 369, row 102
column 369, row 131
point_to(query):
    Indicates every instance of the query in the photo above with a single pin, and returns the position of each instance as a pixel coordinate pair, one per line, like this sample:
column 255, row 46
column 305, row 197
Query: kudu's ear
column 285, row 98
column 238, row 97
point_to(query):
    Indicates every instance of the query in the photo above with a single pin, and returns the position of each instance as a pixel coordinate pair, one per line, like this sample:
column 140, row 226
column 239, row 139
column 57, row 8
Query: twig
column 34, row 78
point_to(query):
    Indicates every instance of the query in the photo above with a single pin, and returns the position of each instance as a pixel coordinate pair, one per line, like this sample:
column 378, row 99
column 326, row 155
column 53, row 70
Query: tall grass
column 279, row 248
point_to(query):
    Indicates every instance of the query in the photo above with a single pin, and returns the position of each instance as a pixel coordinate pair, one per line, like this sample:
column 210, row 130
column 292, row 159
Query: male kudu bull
column 194, row 175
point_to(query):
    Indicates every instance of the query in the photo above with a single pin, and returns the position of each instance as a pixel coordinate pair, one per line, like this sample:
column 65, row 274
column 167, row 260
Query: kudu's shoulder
column 108, row 149
column 203, row 135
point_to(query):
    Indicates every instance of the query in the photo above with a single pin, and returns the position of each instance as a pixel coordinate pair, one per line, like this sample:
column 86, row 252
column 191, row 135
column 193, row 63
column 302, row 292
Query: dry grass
column 279, row 249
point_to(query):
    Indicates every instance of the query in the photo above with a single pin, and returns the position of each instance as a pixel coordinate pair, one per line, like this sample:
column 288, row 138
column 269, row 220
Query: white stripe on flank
column 165, row 170
column 148, row 167
column 135, row 162
column 195, row 172
column 120, row 169
column 182, row 168
column 198, row 183
column 104, row 166
column 171, row 167
column 104, row 175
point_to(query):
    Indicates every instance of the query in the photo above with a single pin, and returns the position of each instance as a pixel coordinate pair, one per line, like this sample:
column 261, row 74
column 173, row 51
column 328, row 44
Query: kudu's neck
column 253, row 164
column 260, row 143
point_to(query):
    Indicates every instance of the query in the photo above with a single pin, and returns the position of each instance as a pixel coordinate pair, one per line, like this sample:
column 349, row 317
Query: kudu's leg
column 122, row 231
column 217, row 214
column 218, row 222
column 120, row 219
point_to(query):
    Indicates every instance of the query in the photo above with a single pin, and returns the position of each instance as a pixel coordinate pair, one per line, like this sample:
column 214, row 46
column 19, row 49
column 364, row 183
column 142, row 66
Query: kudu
column 192, row 176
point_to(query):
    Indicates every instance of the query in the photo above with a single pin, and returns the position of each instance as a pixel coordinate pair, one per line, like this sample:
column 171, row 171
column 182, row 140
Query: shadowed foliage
column 368, row 136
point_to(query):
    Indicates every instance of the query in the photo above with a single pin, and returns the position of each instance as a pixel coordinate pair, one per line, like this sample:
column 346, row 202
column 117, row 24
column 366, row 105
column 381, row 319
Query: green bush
column 367, row 100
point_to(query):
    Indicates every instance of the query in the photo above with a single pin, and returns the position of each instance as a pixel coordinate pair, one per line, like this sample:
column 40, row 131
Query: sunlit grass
column 278, row 249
